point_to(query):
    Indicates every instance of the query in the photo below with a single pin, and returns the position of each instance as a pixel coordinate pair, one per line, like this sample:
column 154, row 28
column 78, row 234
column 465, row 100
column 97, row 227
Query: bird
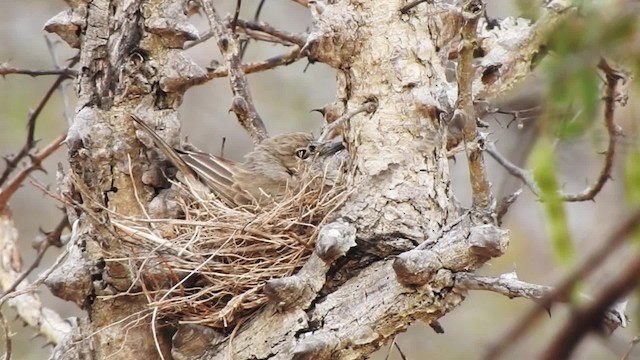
column 275, row 167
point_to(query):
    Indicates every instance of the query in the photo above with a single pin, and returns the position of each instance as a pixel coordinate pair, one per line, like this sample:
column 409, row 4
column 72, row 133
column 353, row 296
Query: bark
column 411, row 235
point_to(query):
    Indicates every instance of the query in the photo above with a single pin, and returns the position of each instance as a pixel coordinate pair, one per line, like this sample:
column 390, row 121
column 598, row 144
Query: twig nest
column 216, row 258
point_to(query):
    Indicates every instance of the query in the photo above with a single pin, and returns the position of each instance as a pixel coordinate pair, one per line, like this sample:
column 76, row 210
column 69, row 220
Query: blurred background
column 284, row 98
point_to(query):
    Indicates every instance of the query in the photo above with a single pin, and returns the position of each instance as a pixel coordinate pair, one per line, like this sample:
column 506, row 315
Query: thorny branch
column 67, row 73
column 36, row 164
column 613, row 77
column 257, row 30
column 31, row 128
column 368, row 107
column 465, row 113
column 270, row 63
column 563, row 290
column 242, row 103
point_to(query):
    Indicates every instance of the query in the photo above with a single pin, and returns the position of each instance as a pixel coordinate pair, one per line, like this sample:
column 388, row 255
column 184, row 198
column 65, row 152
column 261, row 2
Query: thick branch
column 465, row 114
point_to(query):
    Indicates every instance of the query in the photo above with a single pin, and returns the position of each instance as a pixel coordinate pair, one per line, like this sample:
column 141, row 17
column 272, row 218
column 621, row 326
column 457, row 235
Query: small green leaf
column 632, row 183
column 542, row 160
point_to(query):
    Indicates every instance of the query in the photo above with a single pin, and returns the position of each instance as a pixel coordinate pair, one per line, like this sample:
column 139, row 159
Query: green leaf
column 632, row 183
column 545, row 174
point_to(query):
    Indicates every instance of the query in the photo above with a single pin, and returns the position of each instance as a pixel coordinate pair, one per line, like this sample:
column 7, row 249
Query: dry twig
column 281, row 60
column 67, row 73
column 242, row 103
column 31, row 127
column 36, row 164
column 613, row 77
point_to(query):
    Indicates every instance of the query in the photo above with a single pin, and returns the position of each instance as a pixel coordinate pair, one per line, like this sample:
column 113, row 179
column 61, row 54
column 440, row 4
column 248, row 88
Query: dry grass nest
column 209, row 267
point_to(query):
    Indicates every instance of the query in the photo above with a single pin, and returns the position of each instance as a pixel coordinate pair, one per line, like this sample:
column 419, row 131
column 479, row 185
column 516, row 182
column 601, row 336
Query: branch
column 280, row 36
column 465, row 116
column 368, row 107
column 67, row 73
column 31, row 126
column 613, row 77
column 271, row 63
column 509, row 285
column 242, row 103
column 257, row 30
column 405, row 9
column 36, row 164
column 513, row 48
column 513, row 169
column 563, row 290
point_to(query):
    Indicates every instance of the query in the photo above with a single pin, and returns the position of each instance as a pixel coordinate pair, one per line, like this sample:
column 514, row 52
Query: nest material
column 219, row 257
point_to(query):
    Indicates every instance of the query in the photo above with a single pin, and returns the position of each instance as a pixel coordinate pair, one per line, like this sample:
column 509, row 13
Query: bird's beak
column 330, row 148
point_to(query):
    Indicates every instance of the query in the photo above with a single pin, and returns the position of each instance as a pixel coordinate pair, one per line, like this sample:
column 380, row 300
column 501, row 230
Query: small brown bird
column 276, row 166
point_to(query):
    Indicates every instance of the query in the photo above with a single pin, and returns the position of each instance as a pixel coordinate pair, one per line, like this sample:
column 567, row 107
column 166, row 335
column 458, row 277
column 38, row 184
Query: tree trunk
column 411, row 234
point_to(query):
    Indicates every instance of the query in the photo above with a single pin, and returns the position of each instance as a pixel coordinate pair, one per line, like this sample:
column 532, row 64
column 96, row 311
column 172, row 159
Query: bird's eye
column 312, row 148
column 302, row 153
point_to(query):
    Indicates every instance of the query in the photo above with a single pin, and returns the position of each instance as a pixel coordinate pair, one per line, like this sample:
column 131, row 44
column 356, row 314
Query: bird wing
column 214, row 172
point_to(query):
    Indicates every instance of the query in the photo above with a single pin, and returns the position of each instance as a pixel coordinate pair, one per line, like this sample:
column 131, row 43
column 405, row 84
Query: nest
column 217, row 257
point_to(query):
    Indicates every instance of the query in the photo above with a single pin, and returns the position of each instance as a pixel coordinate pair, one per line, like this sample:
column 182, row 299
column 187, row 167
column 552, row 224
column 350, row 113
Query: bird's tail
column 214, row 172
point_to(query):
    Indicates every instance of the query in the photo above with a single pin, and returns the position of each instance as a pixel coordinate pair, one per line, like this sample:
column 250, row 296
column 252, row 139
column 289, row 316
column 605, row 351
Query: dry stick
column 589, row 317
column 52, row 238
column 65, row 103
column 482, row 197
column 245, row 42
column 613, row 77
column 5, row 69
column 31, row 126
column 596, row 258
column 286, row 37
column 36, row 164
column 513, row 169
column 273, row 62
column 633, row 344
column 242, row 103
